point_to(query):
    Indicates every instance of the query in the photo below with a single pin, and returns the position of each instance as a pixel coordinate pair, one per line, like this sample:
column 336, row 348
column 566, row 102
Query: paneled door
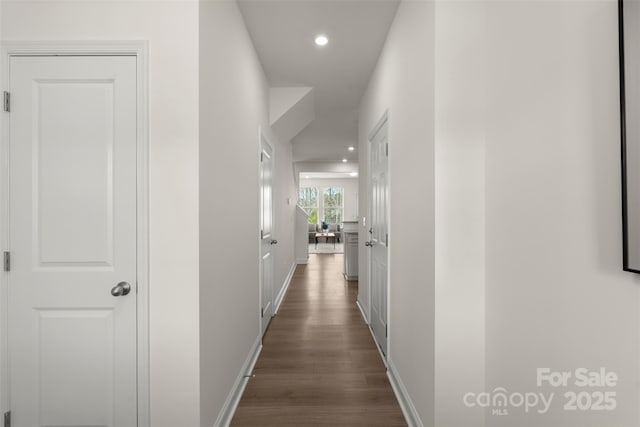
column 267, row 241
column 379, row 231
column 72, row 239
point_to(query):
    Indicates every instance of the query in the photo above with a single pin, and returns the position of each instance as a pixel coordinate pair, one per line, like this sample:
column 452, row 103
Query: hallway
column 319, row 365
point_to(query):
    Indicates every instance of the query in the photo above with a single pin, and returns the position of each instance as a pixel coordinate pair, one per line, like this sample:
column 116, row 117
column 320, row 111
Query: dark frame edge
column 623, row 142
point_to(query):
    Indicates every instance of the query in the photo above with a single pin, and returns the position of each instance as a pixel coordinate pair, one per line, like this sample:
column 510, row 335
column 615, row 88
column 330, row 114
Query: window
column 309, row 202
column 333, row 205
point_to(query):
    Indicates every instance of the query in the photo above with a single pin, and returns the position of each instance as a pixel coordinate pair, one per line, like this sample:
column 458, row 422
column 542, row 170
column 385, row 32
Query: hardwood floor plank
column 321, row 417
column 319, row 364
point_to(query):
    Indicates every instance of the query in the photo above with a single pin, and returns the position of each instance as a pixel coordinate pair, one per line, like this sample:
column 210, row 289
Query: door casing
column 263, row 141
column 139, row 49
column 384, row 119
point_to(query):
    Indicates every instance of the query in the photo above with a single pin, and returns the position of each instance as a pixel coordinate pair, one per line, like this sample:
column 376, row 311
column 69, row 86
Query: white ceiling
column 283, row 33
column 328, row 137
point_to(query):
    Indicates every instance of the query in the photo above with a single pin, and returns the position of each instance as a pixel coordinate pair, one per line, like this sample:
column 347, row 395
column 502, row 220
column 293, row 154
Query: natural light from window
column 333, row 205
column 309, row 202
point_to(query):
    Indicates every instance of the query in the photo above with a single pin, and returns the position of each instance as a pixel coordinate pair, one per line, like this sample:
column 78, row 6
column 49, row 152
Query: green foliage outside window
column 313, row 216
column 308, row 197
column 333, row 204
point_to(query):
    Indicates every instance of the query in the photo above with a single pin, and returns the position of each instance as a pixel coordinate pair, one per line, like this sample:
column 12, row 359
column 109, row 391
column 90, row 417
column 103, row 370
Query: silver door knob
column 274, row 242
column 369, row 243
column 121, row 289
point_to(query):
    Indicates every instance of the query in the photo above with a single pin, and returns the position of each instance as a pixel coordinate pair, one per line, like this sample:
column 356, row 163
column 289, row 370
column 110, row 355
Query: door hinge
column 7, row 419
column 261, row 234
column 6, row 261
column 386, row 330
column 262, row 156
column 7, row 101
column 387, row 239
column 387, row 149
column 262, row 312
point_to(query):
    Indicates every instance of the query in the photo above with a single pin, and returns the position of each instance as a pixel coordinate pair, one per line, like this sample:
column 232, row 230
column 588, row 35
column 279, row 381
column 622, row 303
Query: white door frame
column 384, row 118
column 263, row 138
column 139, row 49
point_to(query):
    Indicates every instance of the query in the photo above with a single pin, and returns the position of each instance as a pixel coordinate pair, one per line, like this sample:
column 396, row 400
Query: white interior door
column 72, row 237
column 379, row 241
column 267, row 240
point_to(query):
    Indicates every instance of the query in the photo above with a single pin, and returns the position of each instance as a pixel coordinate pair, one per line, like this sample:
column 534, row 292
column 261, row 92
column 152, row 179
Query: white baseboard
column 382, row 356
column 408, row 409
column 375, row 340
column 302, row 260
column 364, row 316
column 284, row 288
column 231, row 404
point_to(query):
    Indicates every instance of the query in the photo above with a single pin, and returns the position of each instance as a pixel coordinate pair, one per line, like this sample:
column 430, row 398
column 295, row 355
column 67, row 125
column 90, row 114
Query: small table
column 326, row 240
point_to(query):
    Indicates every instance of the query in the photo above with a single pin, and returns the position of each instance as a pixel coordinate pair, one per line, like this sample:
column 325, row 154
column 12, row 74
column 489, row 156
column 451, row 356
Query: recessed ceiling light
column 351, row 148
column 353, row 174
column 344, row 160
column 321, row 40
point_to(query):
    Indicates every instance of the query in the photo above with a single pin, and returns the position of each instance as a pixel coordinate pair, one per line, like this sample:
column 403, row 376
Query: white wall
column 233, row 106
column 528, row 209
column 403, row 83
column 328, row 167
column 350, row 186
column 285, row 196
column 556, row 295
column 460, row 56
column 301, row 247
column 172, row 30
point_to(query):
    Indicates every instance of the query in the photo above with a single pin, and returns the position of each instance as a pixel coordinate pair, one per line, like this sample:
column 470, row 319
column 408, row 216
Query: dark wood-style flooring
column 319, row 365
